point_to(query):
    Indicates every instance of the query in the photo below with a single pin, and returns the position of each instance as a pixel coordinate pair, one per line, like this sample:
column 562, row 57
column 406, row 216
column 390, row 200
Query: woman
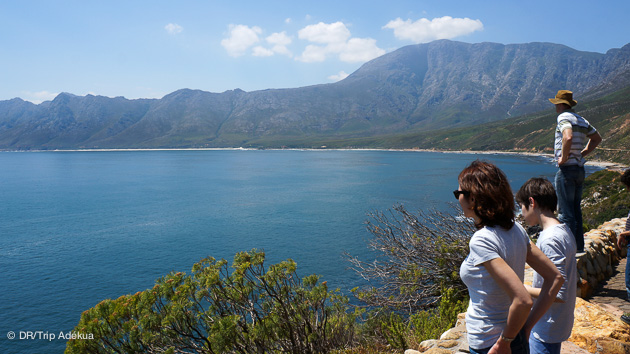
column 498, row 319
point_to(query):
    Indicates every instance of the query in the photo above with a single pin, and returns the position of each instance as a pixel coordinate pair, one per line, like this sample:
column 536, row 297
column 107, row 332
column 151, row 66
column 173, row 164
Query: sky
column 148, row 49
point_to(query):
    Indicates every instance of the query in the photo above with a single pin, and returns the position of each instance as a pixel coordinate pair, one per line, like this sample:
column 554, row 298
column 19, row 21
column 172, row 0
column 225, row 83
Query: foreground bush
column 418, row 257
column 247, row 310
column 389, row 329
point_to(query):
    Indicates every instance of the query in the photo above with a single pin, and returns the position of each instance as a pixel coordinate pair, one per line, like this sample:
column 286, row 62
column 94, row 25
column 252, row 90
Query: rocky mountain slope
column 415, row 88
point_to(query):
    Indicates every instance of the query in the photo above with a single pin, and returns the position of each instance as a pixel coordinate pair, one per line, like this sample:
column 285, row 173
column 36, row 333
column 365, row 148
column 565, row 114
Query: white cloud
column 326, row 40
column 240, row 38
column 38, row 97
column 314, row 54
column 259, row 51
column 279, row 42
column 360, row 50
column 279, row 39
column 173, row 28
column 425, row 30
column 325, row 33
column 338, row 77
column 335, row 39
column 288, row 20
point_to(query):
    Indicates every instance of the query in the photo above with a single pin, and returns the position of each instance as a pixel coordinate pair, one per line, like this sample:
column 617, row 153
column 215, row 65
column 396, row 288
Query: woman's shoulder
column 486, row 235
column 498, row 230
column 484, row 231
column 516, row 232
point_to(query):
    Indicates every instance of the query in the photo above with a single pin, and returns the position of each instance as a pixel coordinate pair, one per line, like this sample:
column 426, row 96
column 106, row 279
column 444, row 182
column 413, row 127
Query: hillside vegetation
column 604, row 198
column 531, row 133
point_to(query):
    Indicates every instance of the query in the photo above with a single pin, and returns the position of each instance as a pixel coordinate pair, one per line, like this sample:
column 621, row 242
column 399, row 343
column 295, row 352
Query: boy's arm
column 535, row 292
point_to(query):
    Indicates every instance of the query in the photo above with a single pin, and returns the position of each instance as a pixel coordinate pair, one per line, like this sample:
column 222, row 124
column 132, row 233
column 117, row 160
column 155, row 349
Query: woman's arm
column 505, row 277
column 552, row 283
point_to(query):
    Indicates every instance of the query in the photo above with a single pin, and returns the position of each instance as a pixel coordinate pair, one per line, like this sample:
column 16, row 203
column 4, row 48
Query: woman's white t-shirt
column 489, row 305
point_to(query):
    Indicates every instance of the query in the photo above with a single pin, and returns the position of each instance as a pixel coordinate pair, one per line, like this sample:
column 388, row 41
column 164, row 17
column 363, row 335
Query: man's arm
column 621, row 240
column 567, row 141
column 592, row 144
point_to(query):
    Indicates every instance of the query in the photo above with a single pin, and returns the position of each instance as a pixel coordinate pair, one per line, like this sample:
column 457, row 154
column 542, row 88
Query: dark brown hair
column 490, row 196
column 625, row 178
column 541, row 190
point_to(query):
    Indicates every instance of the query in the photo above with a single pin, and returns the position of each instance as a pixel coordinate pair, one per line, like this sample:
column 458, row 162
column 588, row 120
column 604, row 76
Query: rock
column 592, row 281
column 598, row 269
column 455, row 333
column 602, row 259
column 609, row 270
column 583, row 273
column 585, row 288
column 590, row 269
column 438, row 351
column 447, row 343
column 452, row 334
column 597, row 331
column 598, row 242
column 427, row 344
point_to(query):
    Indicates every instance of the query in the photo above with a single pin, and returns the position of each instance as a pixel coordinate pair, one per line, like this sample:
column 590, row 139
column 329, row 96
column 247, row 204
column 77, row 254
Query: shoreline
column 603, row 164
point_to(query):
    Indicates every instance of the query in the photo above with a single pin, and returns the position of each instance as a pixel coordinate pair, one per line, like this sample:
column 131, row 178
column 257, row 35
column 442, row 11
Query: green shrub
column 401, row 332
column 386, row 328
column 431, row 324
column 248, row 310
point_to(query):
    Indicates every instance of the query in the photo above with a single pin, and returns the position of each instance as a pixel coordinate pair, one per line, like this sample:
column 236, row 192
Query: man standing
column 575, row 138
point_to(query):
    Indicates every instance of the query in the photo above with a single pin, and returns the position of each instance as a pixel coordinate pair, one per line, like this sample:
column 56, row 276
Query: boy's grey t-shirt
column 489, row 305
column 557, row 243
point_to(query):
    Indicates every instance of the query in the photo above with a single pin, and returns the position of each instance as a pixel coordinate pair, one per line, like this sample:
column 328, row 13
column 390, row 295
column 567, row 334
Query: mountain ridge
column 419, row 87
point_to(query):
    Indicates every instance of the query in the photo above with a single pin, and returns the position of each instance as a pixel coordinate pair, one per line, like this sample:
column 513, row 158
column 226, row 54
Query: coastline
column 600, row 163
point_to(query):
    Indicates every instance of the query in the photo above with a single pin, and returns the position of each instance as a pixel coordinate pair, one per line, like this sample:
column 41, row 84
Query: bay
column 79, row 227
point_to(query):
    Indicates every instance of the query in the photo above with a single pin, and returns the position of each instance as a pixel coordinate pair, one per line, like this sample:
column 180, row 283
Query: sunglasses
column 457, row 193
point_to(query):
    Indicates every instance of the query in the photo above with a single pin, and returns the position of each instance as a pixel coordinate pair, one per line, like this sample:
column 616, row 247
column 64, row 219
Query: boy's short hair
column 625, row 178
column 541, row 190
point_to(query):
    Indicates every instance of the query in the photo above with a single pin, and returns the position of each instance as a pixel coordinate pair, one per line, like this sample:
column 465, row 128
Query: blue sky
column 147, row 49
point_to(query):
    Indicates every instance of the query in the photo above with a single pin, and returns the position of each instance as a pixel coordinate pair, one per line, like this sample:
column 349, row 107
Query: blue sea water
column 80, row 227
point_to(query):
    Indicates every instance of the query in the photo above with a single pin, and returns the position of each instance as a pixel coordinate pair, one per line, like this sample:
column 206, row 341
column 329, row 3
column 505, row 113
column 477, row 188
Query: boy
column 622, row 241
column 538, row 201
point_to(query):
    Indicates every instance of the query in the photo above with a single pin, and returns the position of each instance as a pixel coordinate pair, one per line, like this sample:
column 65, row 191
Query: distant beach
column 599, row 163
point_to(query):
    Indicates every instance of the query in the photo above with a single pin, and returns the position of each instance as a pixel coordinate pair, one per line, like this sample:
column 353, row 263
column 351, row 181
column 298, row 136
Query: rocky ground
column 611, row 297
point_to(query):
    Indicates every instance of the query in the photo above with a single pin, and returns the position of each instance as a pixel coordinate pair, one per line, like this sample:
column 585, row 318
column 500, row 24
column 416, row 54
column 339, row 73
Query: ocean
column 79, row 227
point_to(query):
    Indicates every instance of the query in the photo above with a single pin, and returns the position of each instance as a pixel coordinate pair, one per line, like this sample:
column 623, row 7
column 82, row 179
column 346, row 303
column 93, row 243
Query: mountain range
column 415, row 89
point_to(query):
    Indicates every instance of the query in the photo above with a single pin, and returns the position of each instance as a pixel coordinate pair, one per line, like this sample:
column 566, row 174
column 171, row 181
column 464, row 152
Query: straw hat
column 564, row 96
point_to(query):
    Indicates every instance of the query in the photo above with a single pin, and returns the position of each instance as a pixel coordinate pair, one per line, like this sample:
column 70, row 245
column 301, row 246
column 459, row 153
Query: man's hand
column 621, row 240
column 563, row 158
